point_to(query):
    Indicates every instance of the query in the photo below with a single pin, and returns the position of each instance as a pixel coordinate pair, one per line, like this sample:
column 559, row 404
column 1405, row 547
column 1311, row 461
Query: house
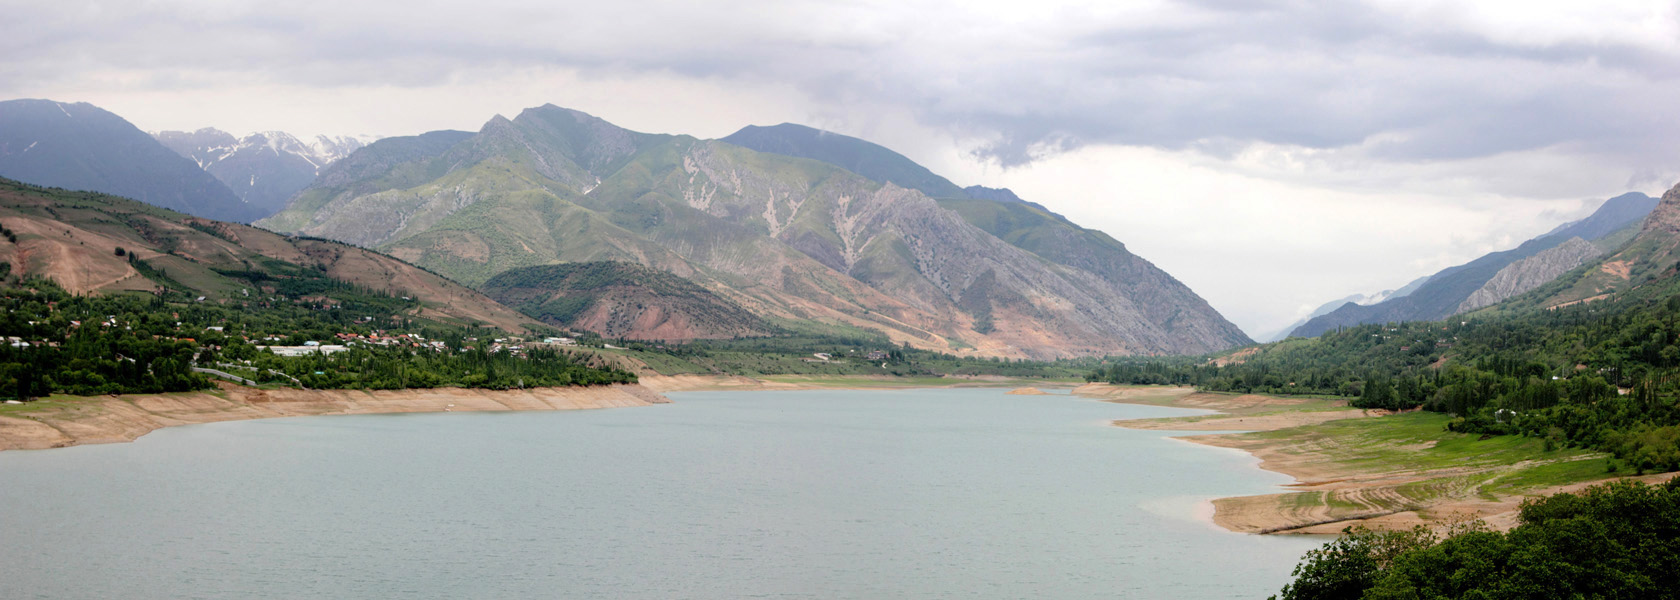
column 302, row 350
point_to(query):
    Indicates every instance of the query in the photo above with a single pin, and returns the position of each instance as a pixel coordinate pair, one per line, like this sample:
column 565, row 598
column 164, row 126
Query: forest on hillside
column 140, row 343
column 1599, row 375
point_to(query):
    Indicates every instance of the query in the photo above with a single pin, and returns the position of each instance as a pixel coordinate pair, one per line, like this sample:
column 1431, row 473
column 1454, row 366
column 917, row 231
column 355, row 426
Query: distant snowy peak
column 210, row 146
column 332, row 149
column 265, row 168
column 321, row 151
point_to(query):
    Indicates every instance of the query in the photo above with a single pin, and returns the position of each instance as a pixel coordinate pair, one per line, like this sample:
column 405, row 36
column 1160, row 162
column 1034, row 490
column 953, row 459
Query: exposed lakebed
column 948, row 493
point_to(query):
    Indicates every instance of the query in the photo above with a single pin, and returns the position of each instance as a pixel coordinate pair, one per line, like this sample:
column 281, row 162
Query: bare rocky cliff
column 1531, row 272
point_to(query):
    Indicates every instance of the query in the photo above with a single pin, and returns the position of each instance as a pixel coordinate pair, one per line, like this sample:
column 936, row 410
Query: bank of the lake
column 934, row 493
column 62, row 421
column 1368, row 468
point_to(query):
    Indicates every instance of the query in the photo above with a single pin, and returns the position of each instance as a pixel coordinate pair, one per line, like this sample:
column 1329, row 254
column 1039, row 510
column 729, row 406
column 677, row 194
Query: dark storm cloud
column 1210, row 75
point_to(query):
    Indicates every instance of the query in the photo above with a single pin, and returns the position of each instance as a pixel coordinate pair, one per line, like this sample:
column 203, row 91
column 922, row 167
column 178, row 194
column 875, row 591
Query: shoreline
column 57, row 422
column 1324, row 497
column 64, row 421
column 1328, row 494
column 723, row 383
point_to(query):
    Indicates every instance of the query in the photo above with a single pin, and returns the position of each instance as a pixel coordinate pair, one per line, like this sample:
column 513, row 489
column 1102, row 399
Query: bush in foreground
column 1619, row 540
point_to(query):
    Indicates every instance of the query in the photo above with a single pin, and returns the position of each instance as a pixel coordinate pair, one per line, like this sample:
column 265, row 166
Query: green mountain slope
column 788, row 239
column 622, row 300
column 390, row 163
column 1650, row 257
column 74, row 239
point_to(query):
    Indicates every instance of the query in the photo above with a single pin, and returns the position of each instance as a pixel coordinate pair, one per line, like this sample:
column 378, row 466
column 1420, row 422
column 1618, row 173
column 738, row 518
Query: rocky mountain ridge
column 1531, row 272
column 1445, row 292
column 788, row 239
column 1651, row 255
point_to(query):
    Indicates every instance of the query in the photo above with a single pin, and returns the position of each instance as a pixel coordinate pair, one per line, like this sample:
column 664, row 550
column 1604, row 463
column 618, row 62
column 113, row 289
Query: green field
column 1411, row 462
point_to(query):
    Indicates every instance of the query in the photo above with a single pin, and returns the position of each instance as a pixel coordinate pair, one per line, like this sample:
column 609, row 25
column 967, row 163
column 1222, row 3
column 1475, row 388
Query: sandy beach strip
column 69, row 421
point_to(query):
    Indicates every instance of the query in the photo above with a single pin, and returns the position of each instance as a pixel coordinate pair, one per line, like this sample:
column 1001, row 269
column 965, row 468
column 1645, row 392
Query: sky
column 1271, row 155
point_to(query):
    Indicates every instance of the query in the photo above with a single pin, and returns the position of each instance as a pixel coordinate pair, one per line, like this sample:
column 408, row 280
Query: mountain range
column 1651, row 256
column 1498, row 276
column 205, row 173
column 263, row 169
column 1331, row 306
column 83, row 147
column 770, row 230
column 790, row 234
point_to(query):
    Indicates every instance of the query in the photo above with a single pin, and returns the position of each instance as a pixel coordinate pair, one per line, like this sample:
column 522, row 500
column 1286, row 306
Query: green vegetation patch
column 1613, row 541
column 1412, row 442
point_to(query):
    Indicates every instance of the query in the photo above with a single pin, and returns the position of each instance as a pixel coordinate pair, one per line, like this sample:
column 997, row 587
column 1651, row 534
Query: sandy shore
column 1328, row 495
column 56, row 422
column 716, row 383
column 68, row 421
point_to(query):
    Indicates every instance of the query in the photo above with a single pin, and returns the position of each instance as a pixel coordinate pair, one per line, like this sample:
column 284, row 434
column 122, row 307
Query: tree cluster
column 1619, row 540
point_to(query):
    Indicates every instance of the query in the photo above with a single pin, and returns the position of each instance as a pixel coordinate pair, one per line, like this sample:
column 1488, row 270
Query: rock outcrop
column 1531, row 272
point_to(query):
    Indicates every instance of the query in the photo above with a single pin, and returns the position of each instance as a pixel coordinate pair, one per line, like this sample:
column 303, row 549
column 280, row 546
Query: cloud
column 1425, row 81
column 1474, row 123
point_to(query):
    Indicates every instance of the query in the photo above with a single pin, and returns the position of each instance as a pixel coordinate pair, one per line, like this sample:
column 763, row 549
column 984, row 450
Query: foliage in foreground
column 1619, row 540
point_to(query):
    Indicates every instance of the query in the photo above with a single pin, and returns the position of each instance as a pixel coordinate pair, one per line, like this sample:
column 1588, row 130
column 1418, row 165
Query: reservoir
column 942, row 493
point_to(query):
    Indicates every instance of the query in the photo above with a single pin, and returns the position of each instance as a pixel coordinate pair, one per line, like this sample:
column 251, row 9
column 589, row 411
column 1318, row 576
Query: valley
column 1163, row 300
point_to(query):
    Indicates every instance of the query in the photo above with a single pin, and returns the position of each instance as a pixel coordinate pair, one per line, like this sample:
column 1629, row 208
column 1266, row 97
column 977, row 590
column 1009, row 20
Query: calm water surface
column 813, row 494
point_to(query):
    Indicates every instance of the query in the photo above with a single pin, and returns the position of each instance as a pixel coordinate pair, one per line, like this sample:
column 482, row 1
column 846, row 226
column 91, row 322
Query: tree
column 1345, row 568
column 1619, row 540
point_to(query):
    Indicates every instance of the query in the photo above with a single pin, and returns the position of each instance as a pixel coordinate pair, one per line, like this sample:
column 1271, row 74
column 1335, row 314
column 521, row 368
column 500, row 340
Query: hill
column 1485, row 281
column 82, row 147
column 390, row 163
column 91, row 243
column 263, row 169
column 1650, row 257
column 790, row 240
column 622, row 300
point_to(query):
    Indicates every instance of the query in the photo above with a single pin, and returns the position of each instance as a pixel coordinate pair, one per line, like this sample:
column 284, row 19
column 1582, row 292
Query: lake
column 944, row 493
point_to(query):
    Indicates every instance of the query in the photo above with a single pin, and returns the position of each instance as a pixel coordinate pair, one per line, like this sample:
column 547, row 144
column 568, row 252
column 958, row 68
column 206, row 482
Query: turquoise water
column 816, row 494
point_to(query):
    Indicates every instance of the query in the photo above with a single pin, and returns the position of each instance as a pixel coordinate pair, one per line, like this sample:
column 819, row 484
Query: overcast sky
column 1272, row 155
